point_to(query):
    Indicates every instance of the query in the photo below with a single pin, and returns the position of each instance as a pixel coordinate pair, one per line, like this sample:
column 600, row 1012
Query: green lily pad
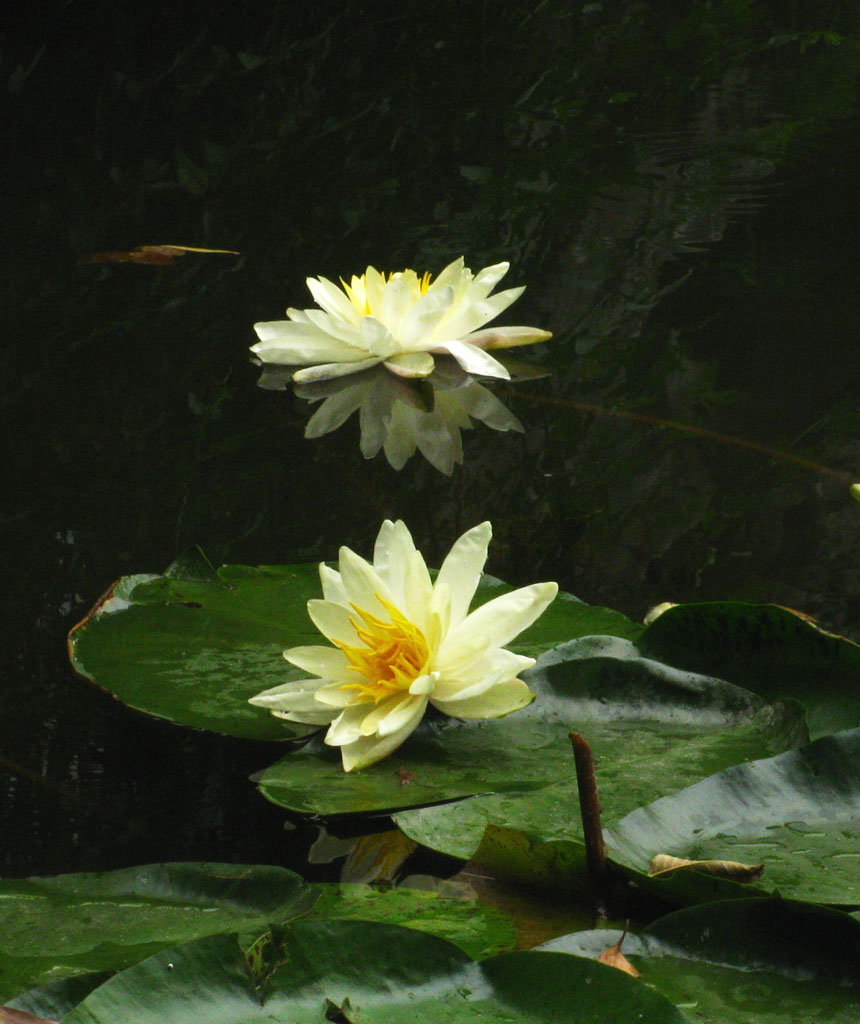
column 54, row 928
column 771, row 961
column 54, row 1000
column 653, row 729
column 194, row 644
column 479, row 930
column 797, row 813
column 194, row 650
column 372, row 973
column 767, row 649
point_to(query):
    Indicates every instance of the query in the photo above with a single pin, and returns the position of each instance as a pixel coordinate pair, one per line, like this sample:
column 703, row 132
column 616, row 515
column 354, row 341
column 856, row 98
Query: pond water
column 679, row 197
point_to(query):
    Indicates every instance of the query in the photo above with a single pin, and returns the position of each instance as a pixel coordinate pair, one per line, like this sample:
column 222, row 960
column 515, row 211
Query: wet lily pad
column 55, row 928
column 478, row 929
column 770, row 650
column 653, row 729
column 194, row 644
column 771, row 961
column 372, row 973
column 797, row 813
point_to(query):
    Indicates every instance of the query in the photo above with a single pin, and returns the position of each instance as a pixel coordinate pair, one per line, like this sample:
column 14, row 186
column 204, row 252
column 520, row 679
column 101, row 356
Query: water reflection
column 398, row 415
column 403, row 350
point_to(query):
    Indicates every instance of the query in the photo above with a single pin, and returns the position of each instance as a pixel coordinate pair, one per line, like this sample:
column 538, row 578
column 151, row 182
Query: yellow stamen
column 394, row 655
column 364, row 307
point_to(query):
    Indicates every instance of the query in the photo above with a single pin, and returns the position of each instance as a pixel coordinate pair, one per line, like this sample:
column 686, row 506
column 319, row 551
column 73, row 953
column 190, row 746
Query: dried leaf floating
column 613, row 957
column 159, row 255
column 664, row 863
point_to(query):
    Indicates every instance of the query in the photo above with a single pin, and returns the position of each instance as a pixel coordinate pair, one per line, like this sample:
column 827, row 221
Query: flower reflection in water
column 404, row 351
column 397, row 415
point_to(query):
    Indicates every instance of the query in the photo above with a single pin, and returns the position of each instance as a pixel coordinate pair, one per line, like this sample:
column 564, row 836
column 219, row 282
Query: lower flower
column 403, row 641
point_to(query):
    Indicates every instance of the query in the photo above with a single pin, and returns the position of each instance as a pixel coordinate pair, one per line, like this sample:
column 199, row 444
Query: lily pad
column 479, row 930
column 770, row 650
column 194, row 644
column 653, row 729
column 55, row 928
column 373, row 973
column 194, row 650
column 797, row 813
column 772, row 961
column 54, row 1000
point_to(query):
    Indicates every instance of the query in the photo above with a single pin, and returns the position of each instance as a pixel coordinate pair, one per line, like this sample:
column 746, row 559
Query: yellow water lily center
column 401, row 641
column 400, row 320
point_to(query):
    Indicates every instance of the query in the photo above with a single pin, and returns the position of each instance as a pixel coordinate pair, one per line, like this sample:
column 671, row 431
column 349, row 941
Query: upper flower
column 402, row 641
column 399, row 319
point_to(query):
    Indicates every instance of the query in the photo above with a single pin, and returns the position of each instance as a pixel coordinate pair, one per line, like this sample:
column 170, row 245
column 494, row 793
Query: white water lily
column 397, row 416
column 402, row 641
column 399, row 320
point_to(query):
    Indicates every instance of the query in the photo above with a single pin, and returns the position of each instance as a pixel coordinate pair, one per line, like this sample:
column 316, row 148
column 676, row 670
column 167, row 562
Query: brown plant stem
column 589, row 809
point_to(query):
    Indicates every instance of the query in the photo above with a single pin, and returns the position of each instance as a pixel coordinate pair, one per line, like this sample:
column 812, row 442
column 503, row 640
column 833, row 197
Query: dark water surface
column 680, row 197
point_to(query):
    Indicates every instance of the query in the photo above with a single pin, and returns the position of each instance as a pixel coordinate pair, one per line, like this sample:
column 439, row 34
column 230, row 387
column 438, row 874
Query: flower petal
column 473, row 310
column 451, row 276
column 411, row 364
column 376, row 338
column 346, row 728
column 425, row 314
column 316, row 717
column 374, row 290
column 490, row 671
column 487, row 279
column 369, row 749
column 501, row 619
column 363, row 584
column 396, row 300
column 424, row 685
column 334, row 301
column 455, row 658
column 296, row 702
column 475, row 360
column 325, row 662
column 332, row 585
column 417, row 589
column 507, row 337
column 383, row 719
column 497, row 702
column 285, row 341
column 342, row 368
column 461, row 571
column 283, row 695
column 333, row 621
column 335, row 695
column 406, row 715
column 497, row 663
column 394, row 549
